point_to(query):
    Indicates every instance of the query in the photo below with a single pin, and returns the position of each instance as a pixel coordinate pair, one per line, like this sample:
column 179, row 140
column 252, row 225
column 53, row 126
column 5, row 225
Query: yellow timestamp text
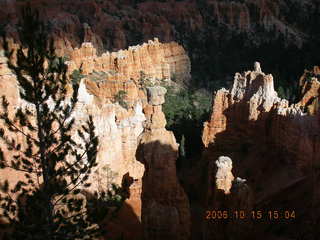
column 254, row 214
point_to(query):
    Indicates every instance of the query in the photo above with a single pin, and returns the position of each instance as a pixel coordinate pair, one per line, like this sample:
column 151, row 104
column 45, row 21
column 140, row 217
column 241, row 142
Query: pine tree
column 56, row 167
column 182, row 149
column 281, row 93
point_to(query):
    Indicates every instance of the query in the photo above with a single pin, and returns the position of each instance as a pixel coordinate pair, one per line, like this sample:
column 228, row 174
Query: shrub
column 76, row 76
column 144, row 81
column 185, row 111
column 120, row 98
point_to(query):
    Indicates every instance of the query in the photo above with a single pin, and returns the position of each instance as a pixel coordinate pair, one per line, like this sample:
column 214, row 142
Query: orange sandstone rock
column 165, row 207
column 155, row 59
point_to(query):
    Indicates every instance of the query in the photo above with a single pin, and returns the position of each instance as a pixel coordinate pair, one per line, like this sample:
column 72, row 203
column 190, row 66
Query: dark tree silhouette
column 56, row 167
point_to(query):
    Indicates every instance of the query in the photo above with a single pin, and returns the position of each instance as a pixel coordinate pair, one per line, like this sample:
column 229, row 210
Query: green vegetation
column 185, row 111
column 182, row 148
column 98, row 77
column 2, row 29
column 109, row 176
column 311, row 75
column 120, row 98
column 76, row 76
column 281, row 93
column 106, row 203
column 144, row 81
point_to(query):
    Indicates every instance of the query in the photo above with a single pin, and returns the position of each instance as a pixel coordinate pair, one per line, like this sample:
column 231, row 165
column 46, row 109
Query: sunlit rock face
column 165, row 206
column 156, row 60
column 8, row 82
column 121, row 129
column 252, row 92
column 310, row 90
column 224, row 175
column 118, row 128
column 117, row 137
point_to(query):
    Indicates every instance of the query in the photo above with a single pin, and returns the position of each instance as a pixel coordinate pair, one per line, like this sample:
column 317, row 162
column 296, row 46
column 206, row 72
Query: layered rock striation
column 118, row 24
column 154, row 59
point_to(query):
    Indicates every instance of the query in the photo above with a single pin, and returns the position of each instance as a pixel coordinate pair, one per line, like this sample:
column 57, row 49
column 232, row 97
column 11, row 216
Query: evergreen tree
column 56, row 167
column 182, row 149
column 281, row 93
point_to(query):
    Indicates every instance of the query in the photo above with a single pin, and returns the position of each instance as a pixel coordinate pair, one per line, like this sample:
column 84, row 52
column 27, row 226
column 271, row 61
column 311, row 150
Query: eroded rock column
column 228, row 205
column 165, row 207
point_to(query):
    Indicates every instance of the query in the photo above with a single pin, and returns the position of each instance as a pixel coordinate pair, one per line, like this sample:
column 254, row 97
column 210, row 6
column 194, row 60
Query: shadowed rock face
column 273, row 145
column 225, row 198
column 204, row 28
column 253, row 107
column 165, row 207
column 117, row 24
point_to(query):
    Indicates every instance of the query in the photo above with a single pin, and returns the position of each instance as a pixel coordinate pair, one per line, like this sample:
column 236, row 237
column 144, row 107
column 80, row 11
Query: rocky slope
column 272, row 144
column 252, row 103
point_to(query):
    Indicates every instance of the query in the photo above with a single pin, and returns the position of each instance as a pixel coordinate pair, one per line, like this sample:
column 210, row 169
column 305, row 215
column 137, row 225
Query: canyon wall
column 118, row 128
column 273, row 145
column 116, row 25
column 252, row 103
column 156, row 60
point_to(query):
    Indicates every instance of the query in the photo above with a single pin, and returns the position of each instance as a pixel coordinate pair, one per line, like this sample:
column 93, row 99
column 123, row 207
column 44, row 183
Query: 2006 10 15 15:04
column 255, row 214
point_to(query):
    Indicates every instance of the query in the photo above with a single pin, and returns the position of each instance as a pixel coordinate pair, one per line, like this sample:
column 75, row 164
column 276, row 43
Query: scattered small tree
column 182, row 147
column 56, row 167
column 120, row 98
column 77, row 75
column 144, row 81
column 281, row 92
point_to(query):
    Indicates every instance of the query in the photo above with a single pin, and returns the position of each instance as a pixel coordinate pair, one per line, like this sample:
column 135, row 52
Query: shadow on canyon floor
column 119, row 219
column 165, row 206
column 116, row 219
column 124, row 225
